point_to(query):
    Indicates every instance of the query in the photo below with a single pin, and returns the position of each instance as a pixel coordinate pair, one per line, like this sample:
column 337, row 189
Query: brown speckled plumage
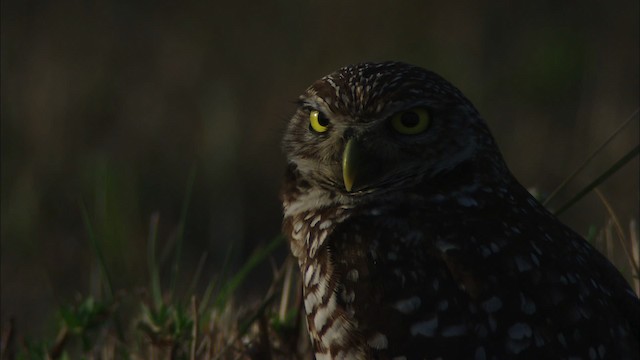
column 437, row 251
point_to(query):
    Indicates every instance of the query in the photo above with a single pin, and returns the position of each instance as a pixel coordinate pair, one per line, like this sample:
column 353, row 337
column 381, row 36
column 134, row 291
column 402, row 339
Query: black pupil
column 409, row 119
column 323, row 120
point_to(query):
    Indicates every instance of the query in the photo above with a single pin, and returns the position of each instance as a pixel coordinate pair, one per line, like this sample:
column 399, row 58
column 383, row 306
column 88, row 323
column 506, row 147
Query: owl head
column 376, row 127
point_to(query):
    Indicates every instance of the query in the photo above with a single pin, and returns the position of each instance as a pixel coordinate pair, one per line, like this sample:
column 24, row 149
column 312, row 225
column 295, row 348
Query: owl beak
column 350, row 159
column 360, row 168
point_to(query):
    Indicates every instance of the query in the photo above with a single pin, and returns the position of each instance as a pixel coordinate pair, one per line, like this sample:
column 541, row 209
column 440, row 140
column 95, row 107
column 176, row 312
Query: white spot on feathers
column 352, row 275
column 454, row 330
column 378, row 341
column 308, row 275
column 323, row 356
column 325, row 224
column 520, row 331
column 467, row 201
column 407, row 306
column 323, row 313
column 425, row 328
column 337, row 332
column 522, row 264
column 492, row 305
column 527, row 305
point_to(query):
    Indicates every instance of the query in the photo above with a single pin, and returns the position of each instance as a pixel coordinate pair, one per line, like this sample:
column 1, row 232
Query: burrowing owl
column 415, row 241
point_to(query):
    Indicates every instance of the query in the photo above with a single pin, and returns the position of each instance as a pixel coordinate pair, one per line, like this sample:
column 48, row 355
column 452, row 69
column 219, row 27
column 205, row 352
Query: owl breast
column 369, row 287
column 332, row 327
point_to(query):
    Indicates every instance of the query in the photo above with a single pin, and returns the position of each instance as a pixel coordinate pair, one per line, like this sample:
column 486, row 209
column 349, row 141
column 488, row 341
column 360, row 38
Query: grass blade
column 183, row 218
column 96, row 249
column 621, row 236
column 286, row 288
column 196, row 277
column 615, row 167
column 213, row 283
column 635, row 253
column 242, row 274
column 154, row 271
column 588, row 159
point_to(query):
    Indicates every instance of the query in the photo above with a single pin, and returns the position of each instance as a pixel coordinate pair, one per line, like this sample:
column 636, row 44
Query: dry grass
column 269, row 328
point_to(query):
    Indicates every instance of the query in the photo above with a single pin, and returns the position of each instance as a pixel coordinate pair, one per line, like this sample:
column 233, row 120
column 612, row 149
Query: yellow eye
column 318, row 122
column 411, row 122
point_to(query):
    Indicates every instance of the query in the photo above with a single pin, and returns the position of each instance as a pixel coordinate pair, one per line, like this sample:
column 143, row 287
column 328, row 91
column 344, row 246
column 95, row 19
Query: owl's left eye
column 410, row 122
column 318, row 122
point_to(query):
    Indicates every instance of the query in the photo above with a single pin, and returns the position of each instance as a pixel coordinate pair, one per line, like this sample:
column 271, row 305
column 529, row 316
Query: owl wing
column 542, row 289
column 500, row 282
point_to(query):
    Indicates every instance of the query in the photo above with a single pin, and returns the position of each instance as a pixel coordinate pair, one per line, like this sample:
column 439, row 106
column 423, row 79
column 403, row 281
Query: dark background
column 111, row 104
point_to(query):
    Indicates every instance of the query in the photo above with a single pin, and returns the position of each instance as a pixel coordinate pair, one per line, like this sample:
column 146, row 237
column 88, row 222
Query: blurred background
column 114, row 104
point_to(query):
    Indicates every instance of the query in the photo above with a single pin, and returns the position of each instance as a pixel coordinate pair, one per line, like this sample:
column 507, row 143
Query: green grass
column 162, row 323
column 161, row 326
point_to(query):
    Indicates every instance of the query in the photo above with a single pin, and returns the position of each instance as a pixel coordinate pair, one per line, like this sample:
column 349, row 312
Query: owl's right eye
column 318, row 122
column 410, row 122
